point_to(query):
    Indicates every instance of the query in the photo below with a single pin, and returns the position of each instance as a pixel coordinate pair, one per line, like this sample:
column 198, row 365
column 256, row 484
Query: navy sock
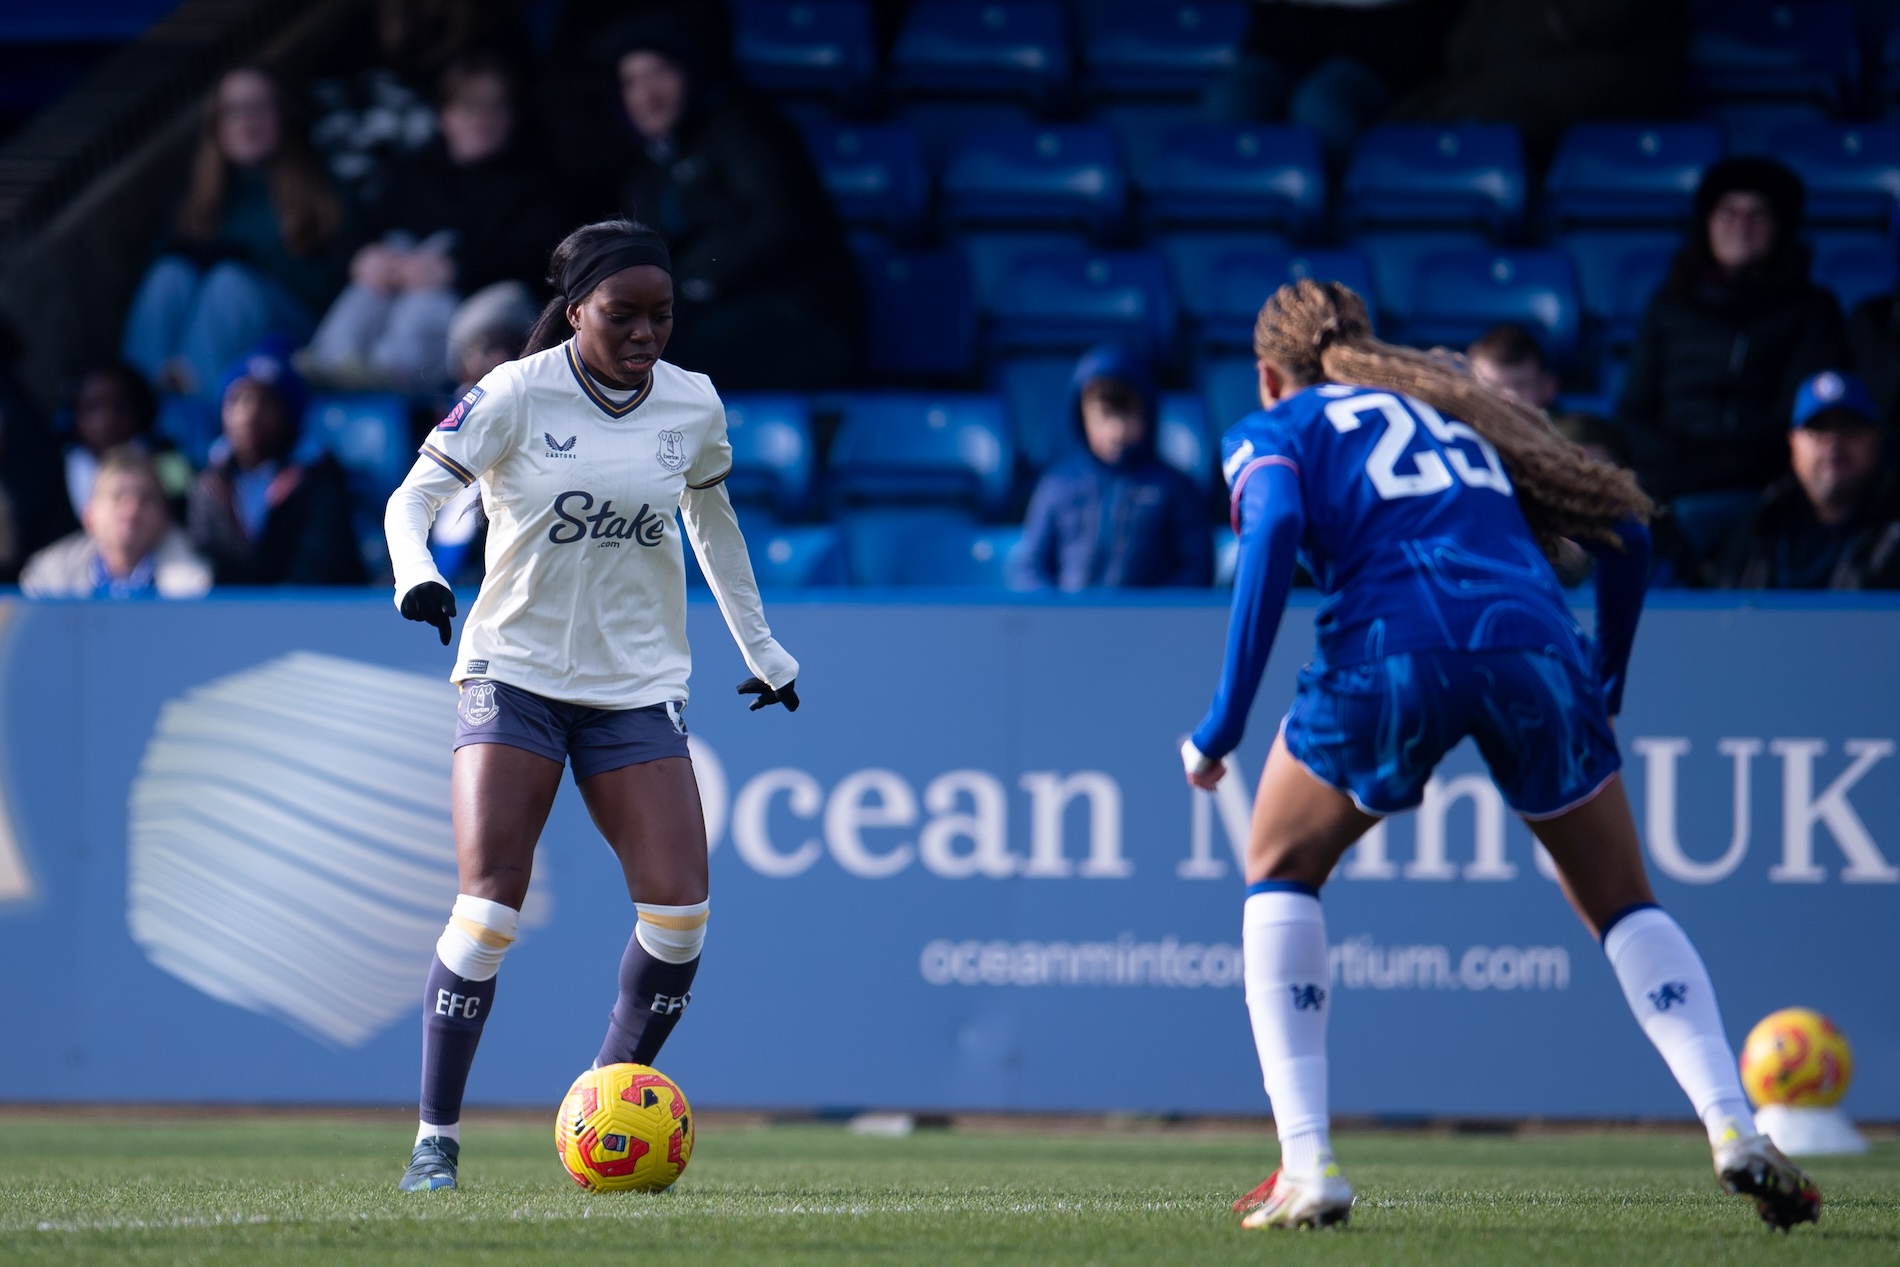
column 653, row 996
column 454, row 1009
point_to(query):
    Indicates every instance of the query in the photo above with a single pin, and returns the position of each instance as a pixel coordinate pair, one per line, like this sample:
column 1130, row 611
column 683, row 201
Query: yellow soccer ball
column 1796, row 1057
column 624, row 1128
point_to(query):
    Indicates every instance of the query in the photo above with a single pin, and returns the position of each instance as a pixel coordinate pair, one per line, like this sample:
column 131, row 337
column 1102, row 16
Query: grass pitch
column 313, row 1191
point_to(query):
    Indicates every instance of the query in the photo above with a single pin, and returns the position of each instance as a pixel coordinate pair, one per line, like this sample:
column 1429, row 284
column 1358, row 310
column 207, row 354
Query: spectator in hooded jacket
column 128, row 547
column 254, row 248
column 469, row 211
column 1114, row 514
column 263, row 517
column 766, row 290
column 1834, row 521
column 1733, row 331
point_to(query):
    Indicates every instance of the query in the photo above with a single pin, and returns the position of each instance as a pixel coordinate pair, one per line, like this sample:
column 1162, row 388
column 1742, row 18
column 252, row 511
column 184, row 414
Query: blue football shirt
column 1412, row 531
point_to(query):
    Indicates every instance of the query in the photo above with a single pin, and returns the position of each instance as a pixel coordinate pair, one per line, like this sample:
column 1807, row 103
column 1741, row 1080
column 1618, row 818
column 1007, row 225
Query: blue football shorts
column 1377, row 730
column 595, row 739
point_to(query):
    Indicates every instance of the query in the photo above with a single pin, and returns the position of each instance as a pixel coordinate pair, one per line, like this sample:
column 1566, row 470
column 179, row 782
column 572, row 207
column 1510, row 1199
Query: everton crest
column 672, row 452
column 478, row 704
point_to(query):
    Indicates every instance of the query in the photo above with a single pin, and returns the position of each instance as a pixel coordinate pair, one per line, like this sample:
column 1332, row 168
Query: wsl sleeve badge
column 459, row 414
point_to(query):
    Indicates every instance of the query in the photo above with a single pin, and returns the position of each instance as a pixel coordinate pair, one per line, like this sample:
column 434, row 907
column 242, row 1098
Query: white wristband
column 1195, row 761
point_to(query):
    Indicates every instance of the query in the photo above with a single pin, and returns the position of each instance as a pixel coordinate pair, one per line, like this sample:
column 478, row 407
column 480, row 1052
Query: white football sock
column 452, row 1130
column 1289, row 984
column 1670, row 992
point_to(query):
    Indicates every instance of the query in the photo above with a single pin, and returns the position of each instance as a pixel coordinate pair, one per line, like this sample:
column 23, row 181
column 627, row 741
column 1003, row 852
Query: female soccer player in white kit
column 1425, row 507
column 575, row 648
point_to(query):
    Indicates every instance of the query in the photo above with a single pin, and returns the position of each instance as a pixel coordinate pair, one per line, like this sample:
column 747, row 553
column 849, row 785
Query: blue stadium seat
column 942, row 124
column 1766, row 49
column 1035, row 392
column 1461, row 294
column 878, row 541
column 1149, row 48
column 1226, row 556
column 1181, row 437
column 1223, row 279
column 1750, row 127
column 957, row 557
column 1439, row 176
column 1070, row 298
column 921, row 319
column 1617, row 272
column 1036, row 176
column 1231, row 387
column 1852, row 170
column 787, row 556
column 1629, row 173
column 1236, row 174
column 875, row 174
column 1394, row 258
column 1707, row 519
column 907, row 446
column 1141, row 127
column 368, row 434
column 94, row 22
column 997, row 48
column 772, row 451
column 1855, row 266
column 823, row 47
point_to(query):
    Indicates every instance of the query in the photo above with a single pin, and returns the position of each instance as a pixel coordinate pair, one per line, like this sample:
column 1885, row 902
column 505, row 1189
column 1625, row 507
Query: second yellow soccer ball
column 1796, row 1057
column 624, row 1128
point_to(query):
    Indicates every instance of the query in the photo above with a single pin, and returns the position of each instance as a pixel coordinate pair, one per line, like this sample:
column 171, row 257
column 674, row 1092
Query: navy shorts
column 1377, row 730
column 596, row 739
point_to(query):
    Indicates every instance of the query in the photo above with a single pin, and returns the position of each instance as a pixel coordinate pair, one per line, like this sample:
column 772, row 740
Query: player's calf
column 656, row 982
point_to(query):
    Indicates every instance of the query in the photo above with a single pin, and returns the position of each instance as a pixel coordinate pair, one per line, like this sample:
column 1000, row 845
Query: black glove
column 432, row 604
column 786, row 695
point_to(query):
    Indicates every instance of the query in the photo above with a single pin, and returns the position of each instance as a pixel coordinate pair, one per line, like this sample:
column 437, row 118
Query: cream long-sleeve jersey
column 585, row 595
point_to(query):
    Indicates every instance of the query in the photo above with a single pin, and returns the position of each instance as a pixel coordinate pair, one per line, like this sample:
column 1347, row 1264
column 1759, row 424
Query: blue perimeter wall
column 1054, row 926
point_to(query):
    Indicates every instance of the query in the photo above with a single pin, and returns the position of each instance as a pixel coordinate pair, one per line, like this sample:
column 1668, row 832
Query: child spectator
column 128, row 547
column 1834, row 522
column 253, row 246
column 1509, row 359
column 113, row 407
column 767, row 292
column 1733, row 331
column 466, row 212
column 263, row 518
column 1114, row 514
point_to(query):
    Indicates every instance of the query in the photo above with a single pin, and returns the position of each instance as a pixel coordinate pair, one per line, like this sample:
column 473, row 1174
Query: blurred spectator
column 254, row 248
column 1333, row 65
column 1834, row 522
column 1546, row 64
column 1733, row 331
column 114, row 407
column 263, row 518
column 468, row 211
column 1509, row 359
column 33, row 507
column 370, row 116
column 128, row 548
column 489, row 328
column 1873, row 335
column 1114, row 514
column 768, row 292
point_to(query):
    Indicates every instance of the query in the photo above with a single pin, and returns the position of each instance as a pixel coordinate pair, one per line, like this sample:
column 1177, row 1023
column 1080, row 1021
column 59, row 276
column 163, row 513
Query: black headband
column 595, row 264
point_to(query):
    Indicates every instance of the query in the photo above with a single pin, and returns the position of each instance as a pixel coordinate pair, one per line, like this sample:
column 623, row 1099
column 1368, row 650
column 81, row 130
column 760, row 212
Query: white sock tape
column 479, row 933
column 671, row 934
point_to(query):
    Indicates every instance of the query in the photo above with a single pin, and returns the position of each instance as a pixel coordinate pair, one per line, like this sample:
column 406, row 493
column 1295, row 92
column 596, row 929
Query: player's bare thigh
column 1598, row 855
column 499, row 801
column 651, row 816
column 1301, row 825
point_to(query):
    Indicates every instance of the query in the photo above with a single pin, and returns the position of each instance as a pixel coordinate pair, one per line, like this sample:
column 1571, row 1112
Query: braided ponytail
column 1319, row 331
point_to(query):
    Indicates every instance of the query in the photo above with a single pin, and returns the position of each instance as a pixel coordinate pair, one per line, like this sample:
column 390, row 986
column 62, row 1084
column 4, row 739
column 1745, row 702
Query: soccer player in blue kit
column 1425, row 508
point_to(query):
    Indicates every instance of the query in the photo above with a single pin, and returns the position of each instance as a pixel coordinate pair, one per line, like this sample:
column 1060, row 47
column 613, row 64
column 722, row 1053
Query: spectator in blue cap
column 260, row 514
column 1113, row 514
column 1834, row 521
